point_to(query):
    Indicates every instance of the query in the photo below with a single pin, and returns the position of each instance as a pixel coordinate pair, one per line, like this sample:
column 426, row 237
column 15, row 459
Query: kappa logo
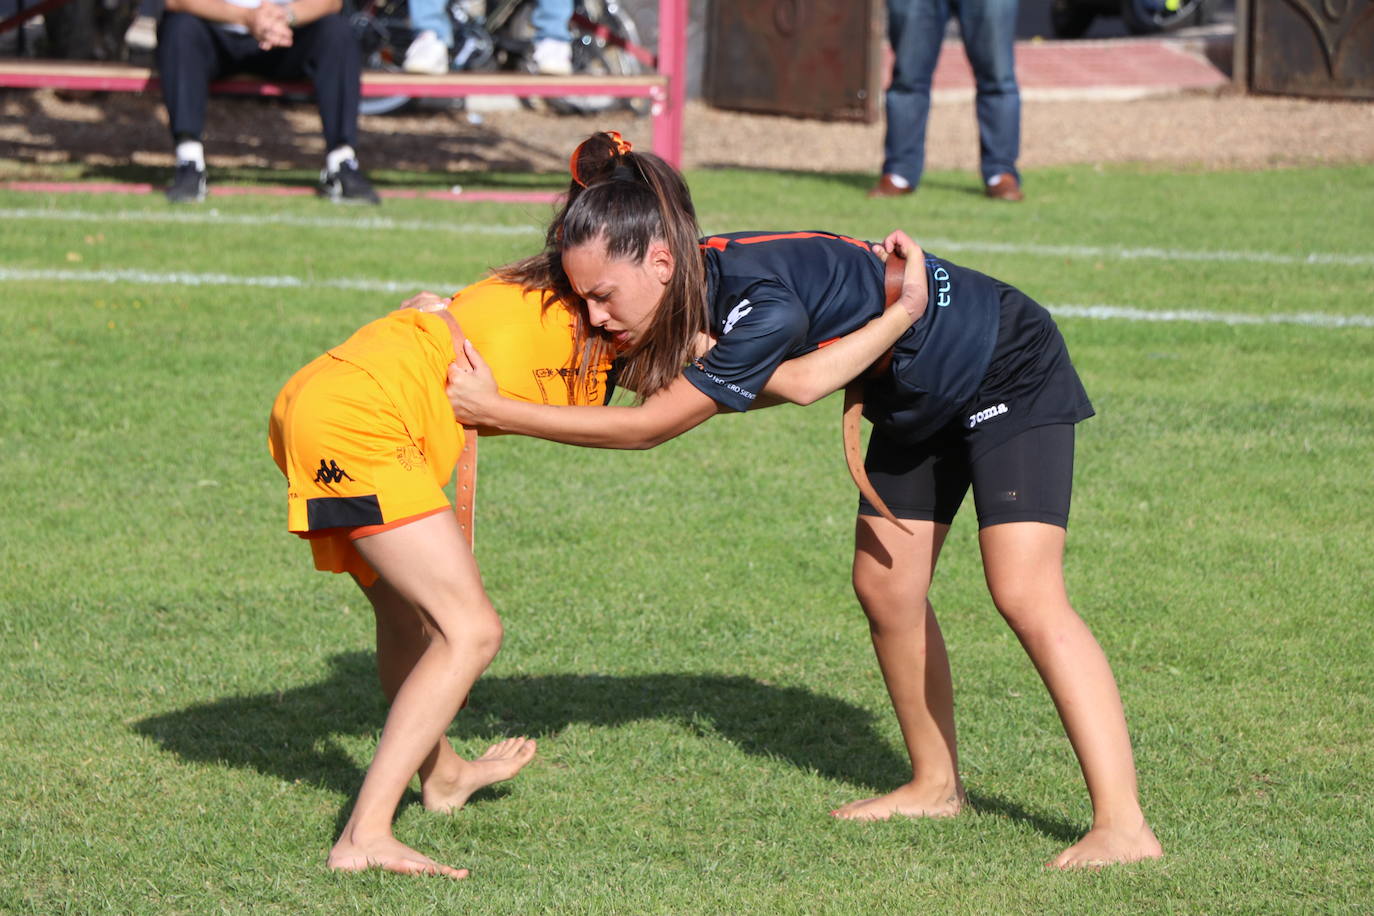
column 986, row 414
column 736, row 313
column 330, row 473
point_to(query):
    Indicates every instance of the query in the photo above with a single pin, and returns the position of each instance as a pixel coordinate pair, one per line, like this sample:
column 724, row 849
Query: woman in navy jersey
column 979, row 392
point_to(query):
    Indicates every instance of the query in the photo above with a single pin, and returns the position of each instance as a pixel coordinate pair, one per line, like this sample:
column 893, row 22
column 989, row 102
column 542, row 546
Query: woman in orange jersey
column 367, row 441
column 366, row 438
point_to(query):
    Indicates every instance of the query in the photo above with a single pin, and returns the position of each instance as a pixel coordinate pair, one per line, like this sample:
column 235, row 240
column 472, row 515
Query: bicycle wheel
column 383, row 38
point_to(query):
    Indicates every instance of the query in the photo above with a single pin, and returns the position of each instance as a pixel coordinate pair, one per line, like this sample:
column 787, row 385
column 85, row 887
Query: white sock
column 337, row 157
column 898, row 181
column 191, row 151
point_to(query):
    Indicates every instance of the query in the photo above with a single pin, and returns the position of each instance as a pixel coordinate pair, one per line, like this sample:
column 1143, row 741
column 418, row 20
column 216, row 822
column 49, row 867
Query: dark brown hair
column 629, row 200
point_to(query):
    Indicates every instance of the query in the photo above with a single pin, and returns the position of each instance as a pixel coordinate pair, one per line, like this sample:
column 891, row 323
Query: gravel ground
column 1209, row 130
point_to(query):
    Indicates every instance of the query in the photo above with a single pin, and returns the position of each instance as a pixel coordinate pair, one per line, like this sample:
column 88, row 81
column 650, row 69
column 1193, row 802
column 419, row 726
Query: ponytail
column 630, row 200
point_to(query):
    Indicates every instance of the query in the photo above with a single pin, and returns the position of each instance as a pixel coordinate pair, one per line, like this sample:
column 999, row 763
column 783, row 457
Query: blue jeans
column 550, row 19
column 916, row 29
column 431, row 16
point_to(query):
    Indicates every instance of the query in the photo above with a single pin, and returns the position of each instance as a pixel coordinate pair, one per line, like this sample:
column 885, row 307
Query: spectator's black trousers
column 192, row 52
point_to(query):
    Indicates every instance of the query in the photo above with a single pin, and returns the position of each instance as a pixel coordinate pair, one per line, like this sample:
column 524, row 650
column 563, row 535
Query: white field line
column 150, row 278
column 1114, row 252
column 1194, row 316
column 1111, row 252
column 1108, row 312
column 212, row 217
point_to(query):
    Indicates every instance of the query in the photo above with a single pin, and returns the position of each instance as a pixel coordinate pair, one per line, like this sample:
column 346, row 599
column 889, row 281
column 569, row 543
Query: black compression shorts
column 1027, row 478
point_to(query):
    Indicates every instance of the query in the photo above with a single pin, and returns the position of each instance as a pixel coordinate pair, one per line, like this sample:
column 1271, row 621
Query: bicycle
column 605, row 42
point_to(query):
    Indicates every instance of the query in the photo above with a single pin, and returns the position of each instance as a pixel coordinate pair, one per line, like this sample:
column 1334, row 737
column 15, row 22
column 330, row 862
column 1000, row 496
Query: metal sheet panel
column 1321, row 48
column 808, row 58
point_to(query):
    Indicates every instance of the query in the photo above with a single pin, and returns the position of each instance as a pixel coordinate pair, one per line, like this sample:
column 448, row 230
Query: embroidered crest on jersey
column 736, row 313
column 568, row 379
column 410, row 457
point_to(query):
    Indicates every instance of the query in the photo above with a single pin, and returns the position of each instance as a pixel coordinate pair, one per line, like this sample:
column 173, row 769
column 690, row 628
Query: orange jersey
column 529, row 350
column 365, row 433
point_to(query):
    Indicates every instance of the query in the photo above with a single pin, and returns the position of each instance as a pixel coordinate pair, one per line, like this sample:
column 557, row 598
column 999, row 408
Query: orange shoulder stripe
column 719, row 242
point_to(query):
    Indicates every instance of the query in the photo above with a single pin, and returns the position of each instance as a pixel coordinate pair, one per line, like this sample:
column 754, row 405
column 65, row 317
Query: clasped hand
column 268, row 25
column 915, row 294
column 426, row 302
column 472, row 389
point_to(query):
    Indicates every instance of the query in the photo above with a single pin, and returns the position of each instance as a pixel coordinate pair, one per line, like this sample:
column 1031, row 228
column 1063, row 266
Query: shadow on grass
column 382, row 179
column 945, row 185
column 857, row 182
column 122, row 137
column 1056, row 828
column 291, row 734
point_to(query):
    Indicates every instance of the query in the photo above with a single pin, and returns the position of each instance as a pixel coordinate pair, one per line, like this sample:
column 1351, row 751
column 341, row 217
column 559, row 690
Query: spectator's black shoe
column 188, row 184
column 347, row 185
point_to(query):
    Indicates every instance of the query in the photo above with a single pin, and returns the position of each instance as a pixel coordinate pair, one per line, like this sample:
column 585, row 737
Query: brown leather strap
column 465, row 477
column 465, row 486
column 854, row 402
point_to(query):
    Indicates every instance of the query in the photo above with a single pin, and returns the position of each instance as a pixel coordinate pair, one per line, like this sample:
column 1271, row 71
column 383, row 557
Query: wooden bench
column 664, row 89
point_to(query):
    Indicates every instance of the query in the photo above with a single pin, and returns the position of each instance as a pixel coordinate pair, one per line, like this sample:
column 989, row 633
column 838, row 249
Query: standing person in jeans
column 916, row 30
column 199, row 41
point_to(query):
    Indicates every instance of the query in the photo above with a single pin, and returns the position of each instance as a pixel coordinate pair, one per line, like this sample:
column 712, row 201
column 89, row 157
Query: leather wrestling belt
column 465, row 477
column 854, row 400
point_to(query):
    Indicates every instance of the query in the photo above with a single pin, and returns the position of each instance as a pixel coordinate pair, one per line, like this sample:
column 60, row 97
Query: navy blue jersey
column 775, row 296
column 939, row 363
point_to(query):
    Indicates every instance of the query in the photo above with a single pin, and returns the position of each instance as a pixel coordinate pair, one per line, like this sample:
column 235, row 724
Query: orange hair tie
column 622, row 146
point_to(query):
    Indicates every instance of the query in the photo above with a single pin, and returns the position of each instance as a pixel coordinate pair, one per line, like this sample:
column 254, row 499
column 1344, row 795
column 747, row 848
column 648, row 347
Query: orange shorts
column 351, row 466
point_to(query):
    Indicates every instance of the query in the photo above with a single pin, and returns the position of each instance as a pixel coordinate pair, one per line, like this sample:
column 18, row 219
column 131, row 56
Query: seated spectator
column 199, row 41
column 552, row 38
column 432, row 47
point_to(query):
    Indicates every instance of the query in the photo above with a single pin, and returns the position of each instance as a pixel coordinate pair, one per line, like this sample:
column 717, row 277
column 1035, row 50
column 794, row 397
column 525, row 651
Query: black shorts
column 1027, row 478
column 1013, row 440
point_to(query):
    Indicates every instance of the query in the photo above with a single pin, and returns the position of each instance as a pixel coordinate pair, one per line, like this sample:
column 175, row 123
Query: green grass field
column 186, row 708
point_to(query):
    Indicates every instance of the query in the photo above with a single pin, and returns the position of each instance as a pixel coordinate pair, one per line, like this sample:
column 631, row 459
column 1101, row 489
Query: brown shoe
column 886, row 187
column 1003, row 187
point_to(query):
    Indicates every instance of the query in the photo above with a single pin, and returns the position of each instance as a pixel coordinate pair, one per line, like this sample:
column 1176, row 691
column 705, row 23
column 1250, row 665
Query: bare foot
column 386, row 853
column 1109, row 846
column 910, row 800
column 446, row 794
